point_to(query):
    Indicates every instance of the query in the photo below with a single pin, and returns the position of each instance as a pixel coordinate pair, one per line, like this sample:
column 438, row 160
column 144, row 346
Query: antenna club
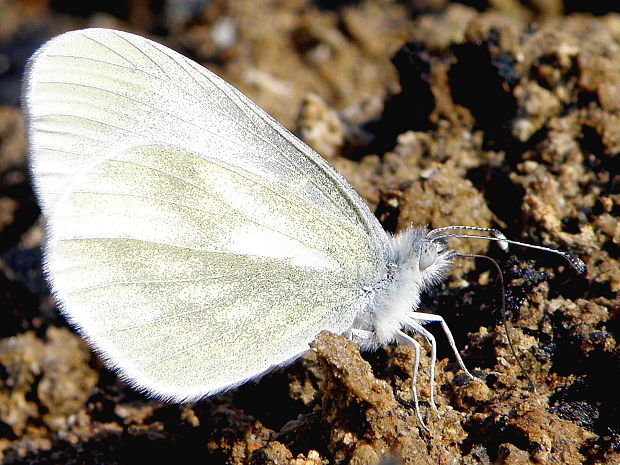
column 578, row 264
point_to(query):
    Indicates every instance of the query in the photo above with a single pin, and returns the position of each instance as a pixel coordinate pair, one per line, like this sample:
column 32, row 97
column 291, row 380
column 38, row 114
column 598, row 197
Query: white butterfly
column 192, row 240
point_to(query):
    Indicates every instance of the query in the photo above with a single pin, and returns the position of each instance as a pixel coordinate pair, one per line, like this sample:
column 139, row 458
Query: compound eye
column 428, row 255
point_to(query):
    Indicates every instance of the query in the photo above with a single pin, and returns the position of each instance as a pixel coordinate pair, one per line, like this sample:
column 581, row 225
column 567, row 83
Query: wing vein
column 237, row 214
column 235, row 170
column 232, row 330
column 102, row 45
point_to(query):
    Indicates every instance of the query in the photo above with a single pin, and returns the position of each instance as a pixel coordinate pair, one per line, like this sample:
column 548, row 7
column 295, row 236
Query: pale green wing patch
column 192, row 275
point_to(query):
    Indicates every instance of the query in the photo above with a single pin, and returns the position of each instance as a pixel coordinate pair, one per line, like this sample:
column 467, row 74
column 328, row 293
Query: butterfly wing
column 193, row 240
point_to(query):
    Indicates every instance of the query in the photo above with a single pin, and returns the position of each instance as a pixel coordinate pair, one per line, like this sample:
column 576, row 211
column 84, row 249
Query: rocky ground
column 500, row 113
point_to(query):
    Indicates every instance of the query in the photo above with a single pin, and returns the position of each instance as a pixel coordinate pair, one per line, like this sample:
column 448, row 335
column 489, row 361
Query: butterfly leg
column 431, row 339
column 404, row 338
column 359, row 336
column 446, row 329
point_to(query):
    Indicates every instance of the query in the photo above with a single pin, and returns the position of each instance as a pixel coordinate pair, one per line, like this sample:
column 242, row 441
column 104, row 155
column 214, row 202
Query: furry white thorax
column 414, row 264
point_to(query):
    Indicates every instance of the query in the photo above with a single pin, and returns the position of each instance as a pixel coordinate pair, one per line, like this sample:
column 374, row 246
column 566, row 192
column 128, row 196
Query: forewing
column 91, row 91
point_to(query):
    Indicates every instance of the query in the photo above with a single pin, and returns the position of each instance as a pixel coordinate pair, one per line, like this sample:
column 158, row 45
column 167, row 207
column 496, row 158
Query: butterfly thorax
column 414, row 264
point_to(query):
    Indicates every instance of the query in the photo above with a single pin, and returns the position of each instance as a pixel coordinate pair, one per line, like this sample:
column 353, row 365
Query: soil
column 495, row 114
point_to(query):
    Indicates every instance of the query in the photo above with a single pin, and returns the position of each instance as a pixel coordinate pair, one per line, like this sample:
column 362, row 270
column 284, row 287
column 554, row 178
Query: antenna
column 436, row 235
